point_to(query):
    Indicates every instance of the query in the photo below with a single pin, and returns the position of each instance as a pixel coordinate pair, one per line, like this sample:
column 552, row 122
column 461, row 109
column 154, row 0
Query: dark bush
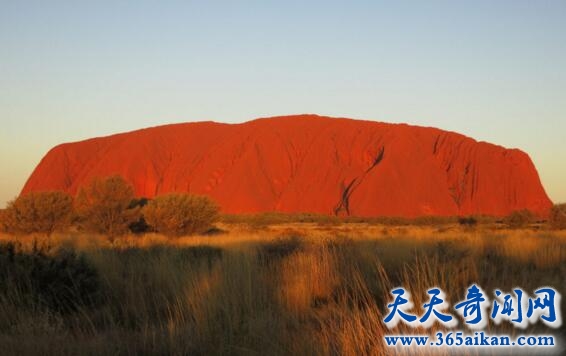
column 139, row 226
column 214, row 231
column 467, row 221
column 62, row 281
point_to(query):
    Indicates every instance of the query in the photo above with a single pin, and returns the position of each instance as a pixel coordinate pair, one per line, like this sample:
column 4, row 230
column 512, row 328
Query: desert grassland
column 288, row 288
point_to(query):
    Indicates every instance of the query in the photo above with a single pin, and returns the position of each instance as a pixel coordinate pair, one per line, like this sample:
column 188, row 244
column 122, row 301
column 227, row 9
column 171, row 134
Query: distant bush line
column 518, row 219
column 108, row 206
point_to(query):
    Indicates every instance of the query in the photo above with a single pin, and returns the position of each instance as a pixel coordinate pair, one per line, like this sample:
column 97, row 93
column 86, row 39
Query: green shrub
column 106, row 206
column 38, row 212
column 180, row 214
column 557, row 218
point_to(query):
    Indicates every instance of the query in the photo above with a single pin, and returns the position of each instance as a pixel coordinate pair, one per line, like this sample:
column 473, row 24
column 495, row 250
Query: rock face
column 307, row 163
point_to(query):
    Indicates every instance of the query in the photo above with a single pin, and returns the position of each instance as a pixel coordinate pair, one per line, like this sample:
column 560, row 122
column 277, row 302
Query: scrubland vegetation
column 268, row 284
column 108, row 206
column 297, row 288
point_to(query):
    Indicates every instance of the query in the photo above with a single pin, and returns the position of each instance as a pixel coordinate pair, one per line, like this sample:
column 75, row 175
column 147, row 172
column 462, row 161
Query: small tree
column 105, row 206
column 557, row 218
column 519, row 218
column 38, row 212
column 181, row 214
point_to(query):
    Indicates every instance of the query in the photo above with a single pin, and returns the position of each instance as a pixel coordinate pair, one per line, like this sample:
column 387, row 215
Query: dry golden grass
column 291, row 288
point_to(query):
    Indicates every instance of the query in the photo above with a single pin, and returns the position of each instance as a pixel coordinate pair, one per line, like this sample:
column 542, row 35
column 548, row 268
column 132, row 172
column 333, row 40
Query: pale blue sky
column 493, row 70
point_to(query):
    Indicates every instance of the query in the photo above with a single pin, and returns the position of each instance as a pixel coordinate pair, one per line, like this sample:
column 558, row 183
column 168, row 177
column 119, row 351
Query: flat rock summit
column 307, row 163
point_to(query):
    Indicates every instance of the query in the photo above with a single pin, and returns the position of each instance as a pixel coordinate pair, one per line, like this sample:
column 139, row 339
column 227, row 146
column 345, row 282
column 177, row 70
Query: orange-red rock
column 307, row 163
